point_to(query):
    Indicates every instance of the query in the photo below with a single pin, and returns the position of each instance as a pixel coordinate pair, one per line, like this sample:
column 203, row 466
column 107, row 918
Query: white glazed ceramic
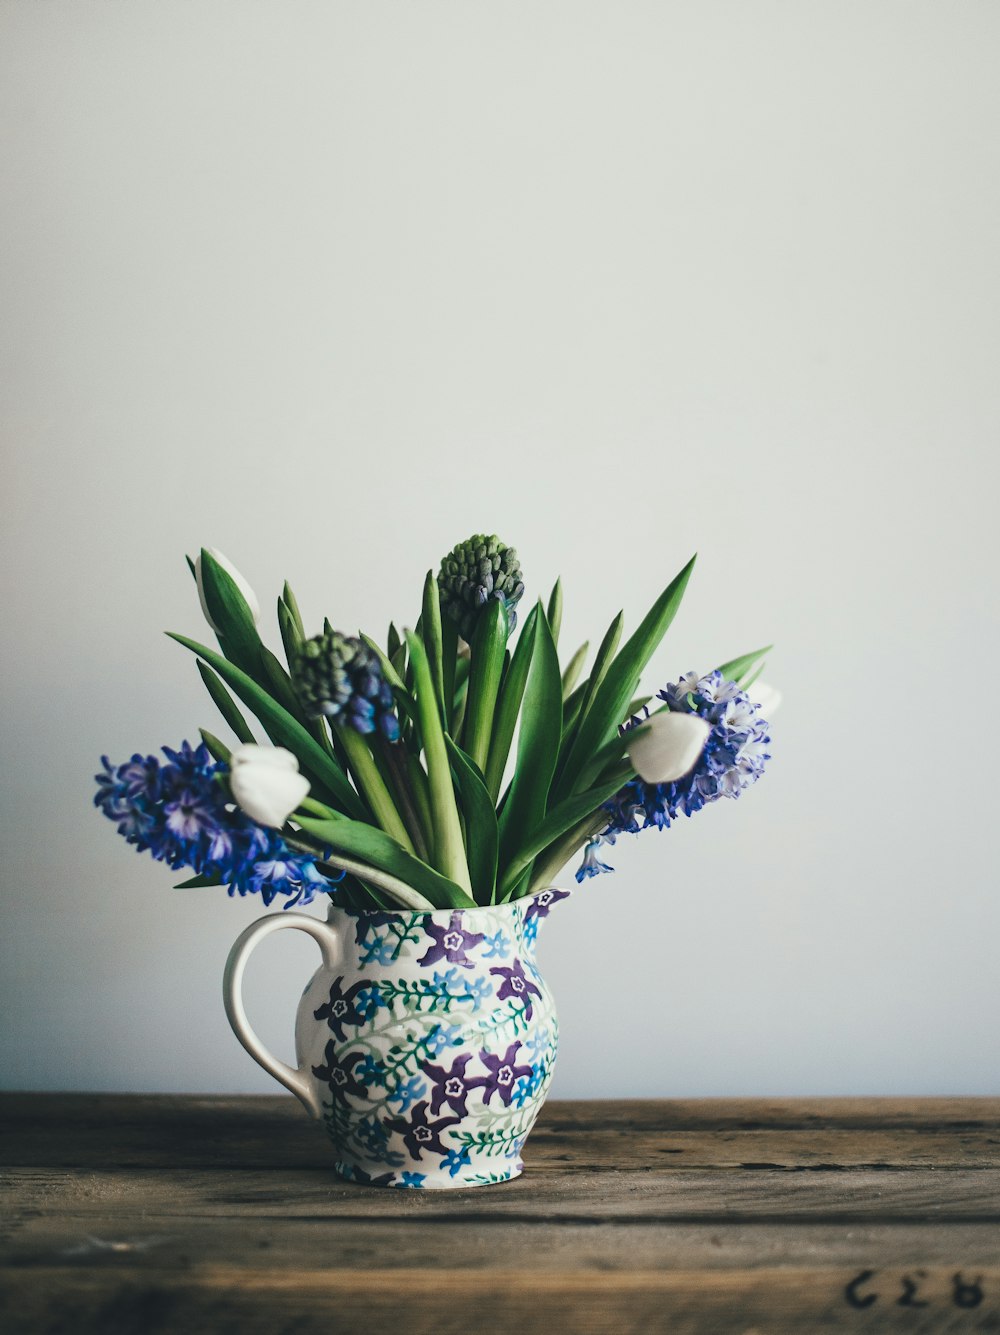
column 425, row 1041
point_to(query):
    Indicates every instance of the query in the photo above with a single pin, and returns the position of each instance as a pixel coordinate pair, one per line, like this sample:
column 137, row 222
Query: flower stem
column 394, row 756
column 449, row 849
column 372, row 784
column 489, row 643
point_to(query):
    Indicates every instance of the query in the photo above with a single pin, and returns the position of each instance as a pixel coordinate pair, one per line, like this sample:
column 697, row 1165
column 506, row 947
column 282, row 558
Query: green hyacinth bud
column 340, row 677
column 474, row 572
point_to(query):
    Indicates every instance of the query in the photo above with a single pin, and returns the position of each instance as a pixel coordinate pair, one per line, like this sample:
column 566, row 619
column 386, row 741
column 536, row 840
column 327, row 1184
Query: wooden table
column 149, row 1214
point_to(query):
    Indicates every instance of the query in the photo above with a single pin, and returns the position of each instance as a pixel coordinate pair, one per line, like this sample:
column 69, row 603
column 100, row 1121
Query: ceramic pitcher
column 425, row 1041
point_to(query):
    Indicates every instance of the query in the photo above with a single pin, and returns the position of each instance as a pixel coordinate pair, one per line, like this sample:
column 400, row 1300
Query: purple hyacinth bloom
column 449, row 1086
column 515, row 984
column 732, row 759
column 419, row 1132
column 503, row 1074
column 184, row 816
column 451, row 942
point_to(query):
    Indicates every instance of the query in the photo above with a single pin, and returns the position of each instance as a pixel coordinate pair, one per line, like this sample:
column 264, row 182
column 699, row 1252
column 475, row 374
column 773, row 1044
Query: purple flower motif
column 515, row 984
column 451, row 942
column 340, row 1076
column 503, row 1074
column 449, row 1086
column 542, row 903
column 419, row 1133
column 343, row 1007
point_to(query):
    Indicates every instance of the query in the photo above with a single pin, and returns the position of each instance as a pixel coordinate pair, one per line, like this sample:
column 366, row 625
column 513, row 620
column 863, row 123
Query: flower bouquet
column 431, row 787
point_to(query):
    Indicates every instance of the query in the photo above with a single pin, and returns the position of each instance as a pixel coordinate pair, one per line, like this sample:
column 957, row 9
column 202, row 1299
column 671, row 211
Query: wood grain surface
column 168, row 1214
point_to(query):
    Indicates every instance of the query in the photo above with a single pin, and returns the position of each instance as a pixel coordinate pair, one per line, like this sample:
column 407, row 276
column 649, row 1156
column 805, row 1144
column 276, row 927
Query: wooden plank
column 154, row 1242
column 273, row 1132
column 857, row 1196
column 448, row 1302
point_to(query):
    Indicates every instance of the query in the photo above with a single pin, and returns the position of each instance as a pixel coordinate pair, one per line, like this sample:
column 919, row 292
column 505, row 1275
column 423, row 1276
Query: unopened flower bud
column 235, row 576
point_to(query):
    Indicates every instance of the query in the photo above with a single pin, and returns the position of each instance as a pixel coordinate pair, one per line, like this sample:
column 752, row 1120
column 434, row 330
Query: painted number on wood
column 866, row 1289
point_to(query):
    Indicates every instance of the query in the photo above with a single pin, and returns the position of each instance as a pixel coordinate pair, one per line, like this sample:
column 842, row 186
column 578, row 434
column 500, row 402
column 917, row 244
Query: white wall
column 331, row 285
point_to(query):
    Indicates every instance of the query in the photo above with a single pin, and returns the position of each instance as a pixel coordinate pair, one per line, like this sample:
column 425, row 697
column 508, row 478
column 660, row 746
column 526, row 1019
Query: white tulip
column 766, row 698
column 668, row 746
column 266, row 783
column 238, row 580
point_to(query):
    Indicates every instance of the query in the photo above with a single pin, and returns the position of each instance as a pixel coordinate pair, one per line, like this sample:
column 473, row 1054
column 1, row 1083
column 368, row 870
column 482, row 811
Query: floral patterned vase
column 425, row 1041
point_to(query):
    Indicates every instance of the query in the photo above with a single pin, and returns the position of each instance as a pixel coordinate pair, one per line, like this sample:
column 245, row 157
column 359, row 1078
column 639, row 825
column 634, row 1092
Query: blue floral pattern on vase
column 432, row 1042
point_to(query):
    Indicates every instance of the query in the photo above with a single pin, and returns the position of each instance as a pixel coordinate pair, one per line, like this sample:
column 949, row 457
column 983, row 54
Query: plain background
column 332, row 285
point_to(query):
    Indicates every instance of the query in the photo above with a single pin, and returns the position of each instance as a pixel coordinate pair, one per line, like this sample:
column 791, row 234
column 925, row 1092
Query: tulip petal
column 668, row 746
column 251, row 598
column 766, row 698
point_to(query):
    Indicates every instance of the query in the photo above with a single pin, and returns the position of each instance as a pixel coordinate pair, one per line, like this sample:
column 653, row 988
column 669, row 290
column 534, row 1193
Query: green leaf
column 449, row 848
column 376, row 848
column 613, row 695
column 537, row 744
column 573, row 669
column 489, row 641
column 229, row 610
column 226, row 704
column 291, row 602
column 291, row 636
column 558, row 822
column 392, row 640
column 747, row 682
column 199, row 882
column 431, row 633
column 284, row 730
column 218, row 750
column 392, row 677
column 509, row 705
column 738, row 667
column 555, row 610
column 481, row 832
column 605, row 656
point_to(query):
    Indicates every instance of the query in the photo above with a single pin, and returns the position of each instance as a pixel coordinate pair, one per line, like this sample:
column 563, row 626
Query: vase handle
column 327, row 939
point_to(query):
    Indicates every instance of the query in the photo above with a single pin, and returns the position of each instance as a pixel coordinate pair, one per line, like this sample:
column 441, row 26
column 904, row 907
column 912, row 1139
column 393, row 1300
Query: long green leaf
column 509, row 705
column 482, row 836
column 283, row 729
column 573, row 669
column 449, row 848
column 217, row 750
column 227, row 706
column 290, row 637
column 537, row 744
column 738, row 667
column 559, row 820
column 555, row 610
column 613, row 695
column 375, row 847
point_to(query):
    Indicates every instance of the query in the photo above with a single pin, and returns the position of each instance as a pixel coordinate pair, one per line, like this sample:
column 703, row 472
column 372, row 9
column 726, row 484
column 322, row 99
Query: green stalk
column 555, row 857
column 449, row 849
column 420, row 790
column 372, row 784
column 394, row 755
column 509, row 706
column 430, row 629
column 488, row 645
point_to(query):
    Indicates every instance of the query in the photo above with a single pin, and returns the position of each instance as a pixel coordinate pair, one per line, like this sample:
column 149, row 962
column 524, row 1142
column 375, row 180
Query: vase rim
column 523, row 902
